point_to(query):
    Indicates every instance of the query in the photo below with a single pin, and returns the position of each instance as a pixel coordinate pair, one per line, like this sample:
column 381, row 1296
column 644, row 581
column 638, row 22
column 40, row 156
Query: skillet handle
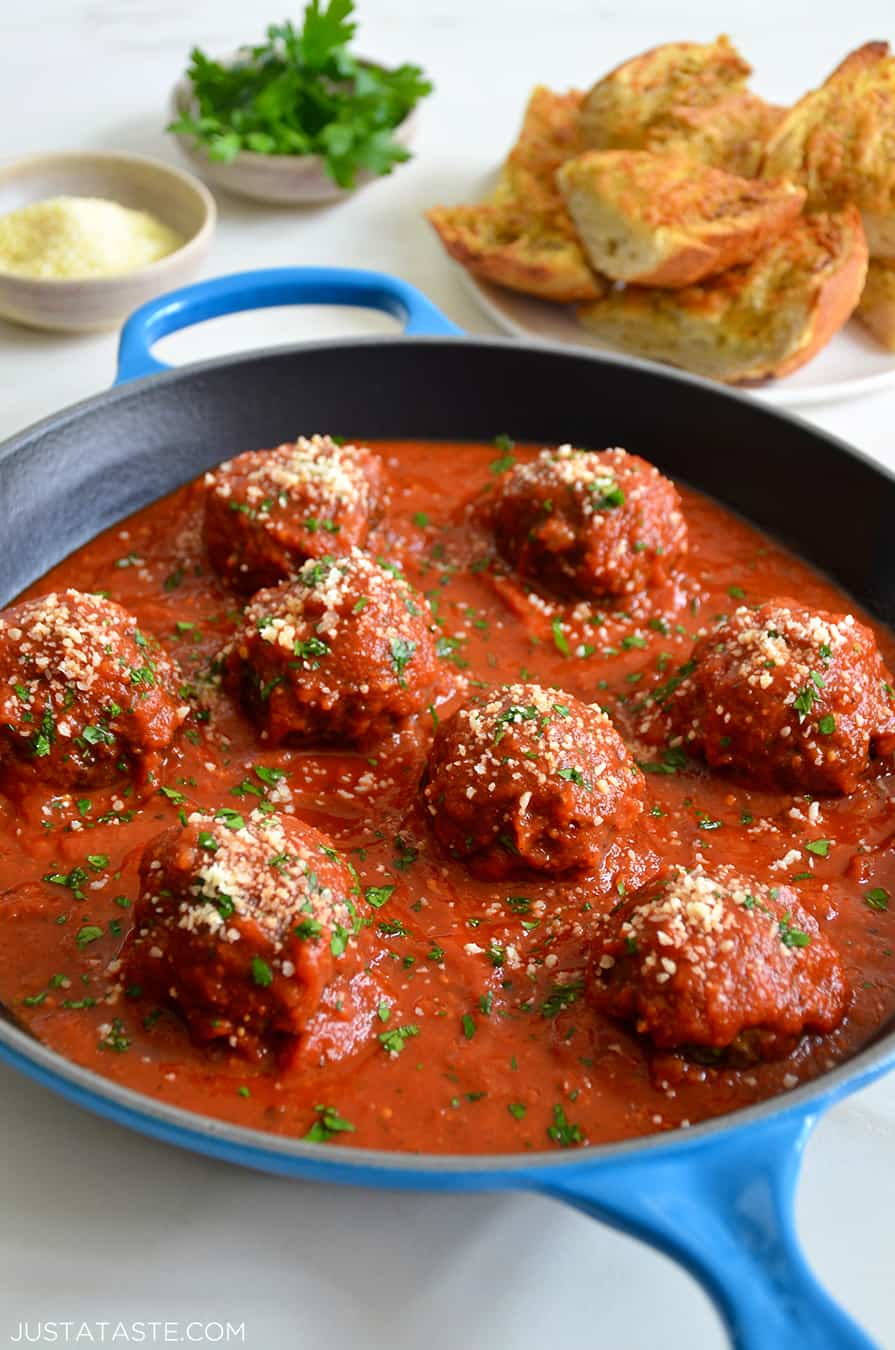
column 724, row 1209
column 262, row 290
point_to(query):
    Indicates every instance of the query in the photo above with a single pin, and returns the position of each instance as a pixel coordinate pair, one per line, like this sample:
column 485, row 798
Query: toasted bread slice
column 731, row 134
column 517, row 249
column 665, row 220
column 766, row 319
column 548, row 136
column 876, row 308
column 839, row 143
column 620, row 109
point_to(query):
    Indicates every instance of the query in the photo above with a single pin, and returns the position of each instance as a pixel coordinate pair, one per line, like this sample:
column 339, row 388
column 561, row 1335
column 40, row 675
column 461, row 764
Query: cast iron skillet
column 718, row 1197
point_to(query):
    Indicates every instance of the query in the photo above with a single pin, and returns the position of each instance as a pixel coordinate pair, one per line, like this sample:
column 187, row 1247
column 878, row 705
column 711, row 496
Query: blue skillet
column 718, row 1198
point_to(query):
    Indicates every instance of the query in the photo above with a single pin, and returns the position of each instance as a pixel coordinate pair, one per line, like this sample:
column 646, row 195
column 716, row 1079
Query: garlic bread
column 765, row 319
column 621, row 109
column 665, row 220
column 838, row 142
column 517, row 249
column 548, row 136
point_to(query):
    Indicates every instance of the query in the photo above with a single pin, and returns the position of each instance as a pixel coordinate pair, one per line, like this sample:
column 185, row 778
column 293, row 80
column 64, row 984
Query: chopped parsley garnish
column 208, row 842
column 232, row 819
column 378, row 895
column 41, row 742
column 117, row 1038
column 572, row 775
column 311, row 646
column 808, row 695
column 270, row 777
column 309, row 929
column 393, row 1041
column 560, row 641
column 606, row 493
column 468, row 1024
column 516, row 712
column 328, row 1124
column 877, row 898
column 562, row 1131
column 177, row 798
column 561, row 996
column 819, row 847
column 673, row 761
column 89, row 932
column 517, row 1110
column 262, row 975
column 792, row 937
column 827, row 725
column 73, row 880
column 402, row 650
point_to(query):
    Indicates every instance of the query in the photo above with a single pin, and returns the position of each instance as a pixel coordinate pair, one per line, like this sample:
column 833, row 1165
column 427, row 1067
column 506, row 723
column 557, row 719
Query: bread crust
column 624, row 105
column 516, row 249
column 549, row 135
column 876, row 308
column 755, row 322
column 663, row 220
column 839, row 140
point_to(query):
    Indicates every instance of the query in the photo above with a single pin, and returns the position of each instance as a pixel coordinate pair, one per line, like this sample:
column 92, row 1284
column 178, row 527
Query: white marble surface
column 99, row 1224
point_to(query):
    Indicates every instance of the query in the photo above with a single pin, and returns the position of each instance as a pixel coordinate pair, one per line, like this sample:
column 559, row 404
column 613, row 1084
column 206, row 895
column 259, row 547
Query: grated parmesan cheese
column 64, row 238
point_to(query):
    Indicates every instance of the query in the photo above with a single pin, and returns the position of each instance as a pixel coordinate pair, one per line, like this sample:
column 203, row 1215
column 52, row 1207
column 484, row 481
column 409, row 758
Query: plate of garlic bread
column 673, row 214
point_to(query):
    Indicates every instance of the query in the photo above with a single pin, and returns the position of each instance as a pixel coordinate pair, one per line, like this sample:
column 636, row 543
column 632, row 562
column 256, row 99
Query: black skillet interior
column 80, row 471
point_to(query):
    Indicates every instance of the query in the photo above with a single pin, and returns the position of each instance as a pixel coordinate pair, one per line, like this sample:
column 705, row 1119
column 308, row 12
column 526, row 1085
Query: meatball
column 84, row 695
column 531, row 778
column 699, row 959
column 268, row 511
column 590, row 523
column 342, row 653
column 240, row 929
column 789, row 696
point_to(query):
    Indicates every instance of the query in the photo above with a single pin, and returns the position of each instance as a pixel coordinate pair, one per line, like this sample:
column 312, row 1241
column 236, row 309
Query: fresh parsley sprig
column 302, row 92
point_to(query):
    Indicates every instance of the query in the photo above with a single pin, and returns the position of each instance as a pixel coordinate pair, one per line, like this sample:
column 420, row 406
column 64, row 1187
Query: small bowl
column 279, row 180
column 94, row 304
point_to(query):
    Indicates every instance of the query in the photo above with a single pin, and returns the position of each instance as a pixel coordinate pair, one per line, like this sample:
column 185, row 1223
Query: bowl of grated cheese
column 88, row 236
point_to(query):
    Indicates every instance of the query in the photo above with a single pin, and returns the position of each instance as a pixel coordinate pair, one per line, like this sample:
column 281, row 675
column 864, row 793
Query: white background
column 99, row 1224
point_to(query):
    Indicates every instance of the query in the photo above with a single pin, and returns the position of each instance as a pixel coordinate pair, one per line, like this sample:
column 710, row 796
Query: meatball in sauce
column 85, row 695
column 589, row 523
column 344, row 652
column 788, row 696
column 530, row 778
column 700, row 958
column 240, row 929
column 268, row 511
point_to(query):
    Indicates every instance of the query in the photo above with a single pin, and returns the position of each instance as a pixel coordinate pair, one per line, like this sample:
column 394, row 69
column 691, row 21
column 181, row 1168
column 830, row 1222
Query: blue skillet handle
column 725, row 1210
column 262, row 290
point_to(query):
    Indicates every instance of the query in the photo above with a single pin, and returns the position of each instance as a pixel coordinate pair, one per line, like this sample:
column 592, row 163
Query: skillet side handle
column 725, row 1211
column 263, row 290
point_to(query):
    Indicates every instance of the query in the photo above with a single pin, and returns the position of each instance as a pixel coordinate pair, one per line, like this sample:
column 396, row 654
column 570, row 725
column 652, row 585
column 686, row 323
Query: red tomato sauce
column 504, row 1052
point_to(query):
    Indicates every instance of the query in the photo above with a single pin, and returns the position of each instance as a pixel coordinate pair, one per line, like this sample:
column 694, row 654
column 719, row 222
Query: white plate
column 851, row 365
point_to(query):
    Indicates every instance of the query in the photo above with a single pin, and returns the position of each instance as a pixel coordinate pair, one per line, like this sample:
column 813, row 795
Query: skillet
column 719, row 1197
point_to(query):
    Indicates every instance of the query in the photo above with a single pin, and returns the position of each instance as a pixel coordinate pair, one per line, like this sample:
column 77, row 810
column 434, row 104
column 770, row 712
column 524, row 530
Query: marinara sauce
column 465, row 1026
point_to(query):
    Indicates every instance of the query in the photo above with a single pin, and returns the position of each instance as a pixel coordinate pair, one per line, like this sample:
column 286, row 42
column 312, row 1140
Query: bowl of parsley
column 297, row 119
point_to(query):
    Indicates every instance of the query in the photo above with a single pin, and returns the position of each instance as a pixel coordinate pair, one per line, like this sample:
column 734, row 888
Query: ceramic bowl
column 92, row 304
column 279, row 180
